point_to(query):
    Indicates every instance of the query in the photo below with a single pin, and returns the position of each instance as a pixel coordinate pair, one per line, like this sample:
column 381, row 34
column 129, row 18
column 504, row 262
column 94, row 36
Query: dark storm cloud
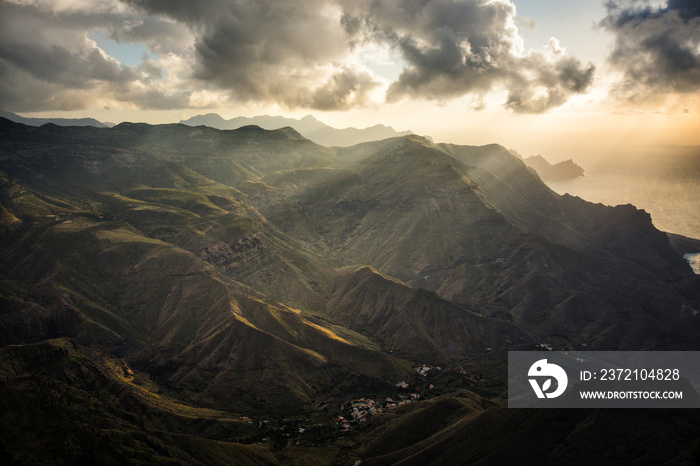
column 291, row 53
column 20, row 92
column 276, row 50
column 262, row 50
column 47, row 63
column 159, row 34
column 51, row 52
column 657, row 48
column 470, row 47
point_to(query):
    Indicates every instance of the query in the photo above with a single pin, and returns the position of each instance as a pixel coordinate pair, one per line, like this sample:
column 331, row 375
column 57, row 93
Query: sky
column 561, row 78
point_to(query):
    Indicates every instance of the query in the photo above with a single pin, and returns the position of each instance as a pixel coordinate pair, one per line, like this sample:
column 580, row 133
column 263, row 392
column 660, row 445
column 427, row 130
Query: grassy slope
column 463, row 429
column 150, row 272
column 94, row 410
column 176, row 316
column 415, row 323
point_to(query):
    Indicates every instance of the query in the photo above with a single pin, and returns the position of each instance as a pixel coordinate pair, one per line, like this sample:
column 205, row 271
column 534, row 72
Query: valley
column 177, row 286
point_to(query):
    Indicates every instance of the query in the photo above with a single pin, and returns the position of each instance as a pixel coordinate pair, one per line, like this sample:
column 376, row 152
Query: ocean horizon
column 664, row 182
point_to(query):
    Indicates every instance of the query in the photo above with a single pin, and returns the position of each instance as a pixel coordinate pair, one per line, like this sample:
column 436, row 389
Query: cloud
column 47, row 61
column 473, row 47
column 289, row 53
column 347, row 87
column 161, row 35
column 656, row 47
column 550, row 83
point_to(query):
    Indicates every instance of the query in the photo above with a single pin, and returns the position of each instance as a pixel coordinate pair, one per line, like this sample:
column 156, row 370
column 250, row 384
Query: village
column 360, row 410
column 334, row 420
column 325, row 425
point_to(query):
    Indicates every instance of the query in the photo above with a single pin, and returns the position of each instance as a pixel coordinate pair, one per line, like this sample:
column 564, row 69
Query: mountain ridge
column 255, row 272
column 56, row 121
column 405, row 206
column 308, row 126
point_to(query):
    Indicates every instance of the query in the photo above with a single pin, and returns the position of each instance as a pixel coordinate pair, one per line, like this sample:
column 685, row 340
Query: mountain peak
column 251, row 128
column 213, row 120
column 558, row 171
column 291, row 132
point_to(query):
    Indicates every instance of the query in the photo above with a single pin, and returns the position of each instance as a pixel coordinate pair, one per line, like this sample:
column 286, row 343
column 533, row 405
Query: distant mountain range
column 309, row 127
column 56, row 121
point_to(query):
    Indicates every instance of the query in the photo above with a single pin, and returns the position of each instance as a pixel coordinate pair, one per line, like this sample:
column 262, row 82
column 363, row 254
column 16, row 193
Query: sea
column 663, row 181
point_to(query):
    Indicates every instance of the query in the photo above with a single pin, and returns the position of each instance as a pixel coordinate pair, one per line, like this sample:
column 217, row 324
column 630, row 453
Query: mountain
column 414, row 323
column 558, row 171
column 56, row 121
column 279, row 213
column 476, row 226
column 463, row 428
column 309, row 127
column 152, row 273
column 81, row 394
column 164, row 282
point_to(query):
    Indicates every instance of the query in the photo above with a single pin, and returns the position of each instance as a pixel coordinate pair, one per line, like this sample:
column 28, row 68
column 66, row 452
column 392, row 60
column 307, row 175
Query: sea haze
column 662, row 181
